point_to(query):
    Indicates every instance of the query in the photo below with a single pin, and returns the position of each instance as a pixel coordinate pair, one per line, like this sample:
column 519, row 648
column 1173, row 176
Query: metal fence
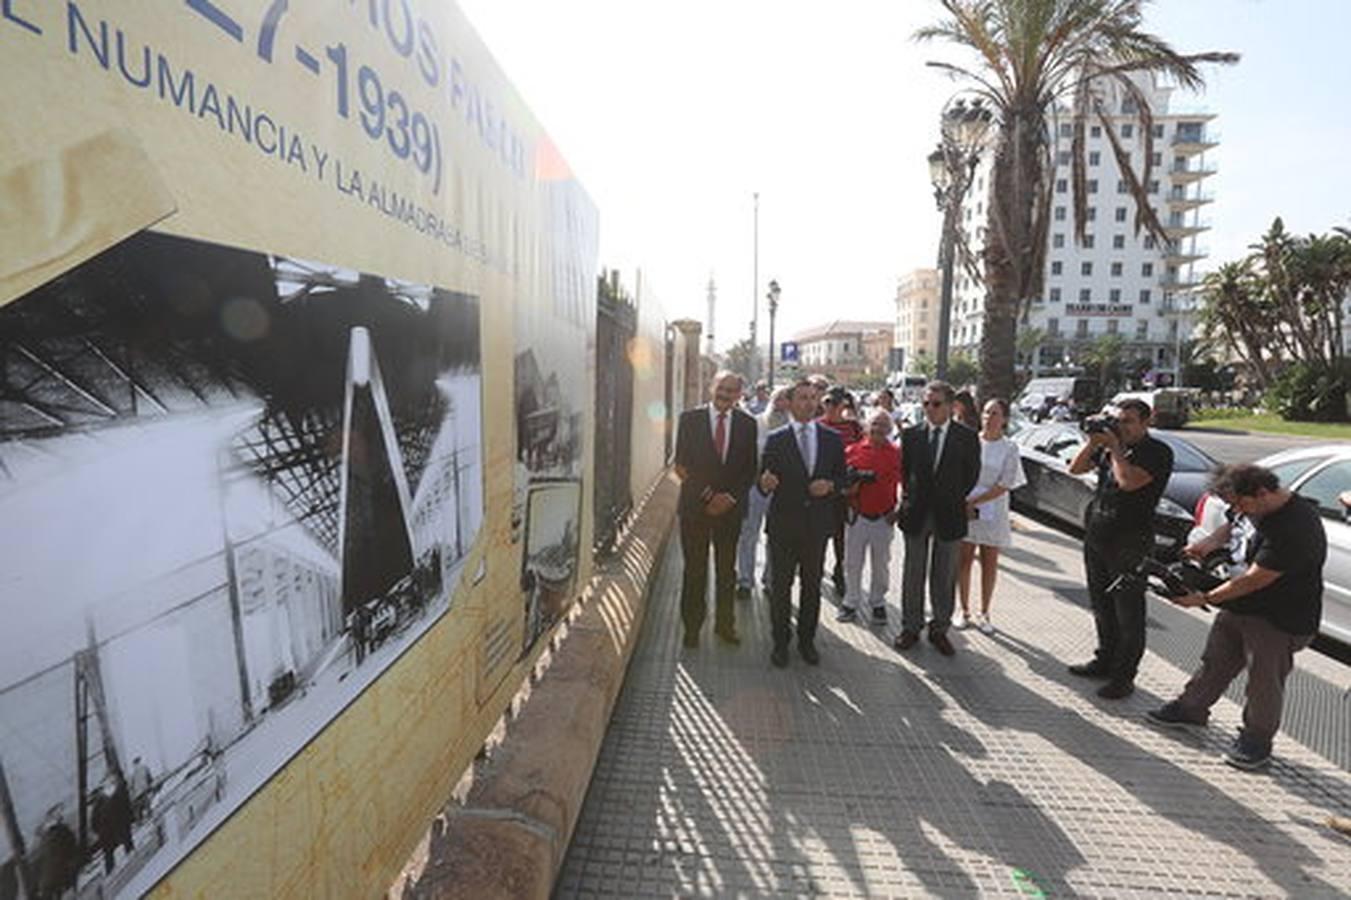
column 616, row 326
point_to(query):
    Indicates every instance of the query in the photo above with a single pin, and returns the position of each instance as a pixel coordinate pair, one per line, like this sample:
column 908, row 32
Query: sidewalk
column 994, row 772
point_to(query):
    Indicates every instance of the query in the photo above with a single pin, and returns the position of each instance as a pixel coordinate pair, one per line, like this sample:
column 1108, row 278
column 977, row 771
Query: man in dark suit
column 715, row 459
column 803, row 467
column 941, row 463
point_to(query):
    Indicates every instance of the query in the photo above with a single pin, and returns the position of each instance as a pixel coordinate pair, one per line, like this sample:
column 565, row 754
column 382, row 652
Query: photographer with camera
column 1133, row 468
column 1267, row 614
column 873, row 474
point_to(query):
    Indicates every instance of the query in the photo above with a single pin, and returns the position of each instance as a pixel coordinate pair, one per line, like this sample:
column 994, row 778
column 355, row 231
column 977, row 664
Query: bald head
column 726, row 390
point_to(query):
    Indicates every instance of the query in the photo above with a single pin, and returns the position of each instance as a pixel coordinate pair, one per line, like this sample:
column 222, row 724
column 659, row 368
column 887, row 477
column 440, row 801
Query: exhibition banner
column 297, row 312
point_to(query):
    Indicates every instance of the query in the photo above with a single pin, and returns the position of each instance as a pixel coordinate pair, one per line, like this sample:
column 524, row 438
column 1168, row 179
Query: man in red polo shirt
column 875, row 466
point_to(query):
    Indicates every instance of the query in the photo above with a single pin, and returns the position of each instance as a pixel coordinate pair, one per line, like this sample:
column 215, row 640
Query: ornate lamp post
column 773, row 296
column 952, row 167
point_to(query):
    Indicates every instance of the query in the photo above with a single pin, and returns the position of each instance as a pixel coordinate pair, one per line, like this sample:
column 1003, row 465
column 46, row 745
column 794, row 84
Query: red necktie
column 720, row 437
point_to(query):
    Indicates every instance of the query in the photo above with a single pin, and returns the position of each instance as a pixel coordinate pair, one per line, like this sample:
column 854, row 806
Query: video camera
column 1170, row 580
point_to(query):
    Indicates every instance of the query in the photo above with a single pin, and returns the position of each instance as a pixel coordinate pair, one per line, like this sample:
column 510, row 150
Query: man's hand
column 1201, row 549
column 821, row 487
column 1195, row 598
column 768, row 482
column 719, row 504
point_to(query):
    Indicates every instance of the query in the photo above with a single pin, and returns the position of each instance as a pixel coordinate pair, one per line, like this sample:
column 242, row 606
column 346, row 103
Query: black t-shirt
column 1116, row 513
column 1291, row 541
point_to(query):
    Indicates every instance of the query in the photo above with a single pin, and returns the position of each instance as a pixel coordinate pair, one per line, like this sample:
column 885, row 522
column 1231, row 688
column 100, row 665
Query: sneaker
column 879, row 615
column 1172, row 715
column 1116, row 690
column 983, row 623
column 846, row 614
column 1247, row 755
column 960, row 620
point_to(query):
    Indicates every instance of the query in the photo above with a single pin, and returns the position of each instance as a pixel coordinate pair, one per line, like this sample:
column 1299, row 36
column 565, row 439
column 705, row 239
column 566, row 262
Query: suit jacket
column 943, row 492
column 793, row 513
column 705, row 473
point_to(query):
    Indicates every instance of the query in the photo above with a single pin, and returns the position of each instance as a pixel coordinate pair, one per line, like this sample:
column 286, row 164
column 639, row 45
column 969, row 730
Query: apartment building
column 917, row 297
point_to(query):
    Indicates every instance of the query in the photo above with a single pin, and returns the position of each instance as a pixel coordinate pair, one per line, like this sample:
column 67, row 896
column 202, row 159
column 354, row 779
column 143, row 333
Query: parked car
column 1171, row 406
column 1041, row 393
column 1047, row 451
column 1322, row 474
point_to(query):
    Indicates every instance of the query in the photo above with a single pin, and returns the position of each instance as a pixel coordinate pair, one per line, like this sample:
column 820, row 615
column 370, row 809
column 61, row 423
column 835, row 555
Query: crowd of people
column 805, row 465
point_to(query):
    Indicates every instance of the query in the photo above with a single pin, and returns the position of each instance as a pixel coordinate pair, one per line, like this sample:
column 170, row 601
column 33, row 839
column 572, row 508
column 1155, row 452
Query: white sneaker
column 983, row 623
column 960, row 621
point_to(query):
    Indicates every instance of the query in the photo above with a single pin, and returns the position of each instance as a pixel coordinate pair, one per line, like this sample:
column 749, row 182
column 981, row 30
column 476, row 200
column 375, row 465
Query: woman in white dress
column 1001, row 470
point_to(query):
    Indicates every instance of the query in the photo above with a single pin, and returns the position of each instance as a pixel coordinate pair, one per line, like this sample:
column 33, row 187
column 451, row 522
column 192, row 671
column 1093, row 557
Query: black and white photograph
column 552, row 378
column 234, row 488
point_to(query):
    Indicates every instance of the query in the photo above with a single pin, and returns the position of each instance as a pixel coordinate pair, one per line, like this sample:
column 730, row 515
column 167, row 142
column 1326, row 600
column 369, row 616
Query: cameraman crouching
column 1268, row 613
column 875, row 472
column 1133, row 469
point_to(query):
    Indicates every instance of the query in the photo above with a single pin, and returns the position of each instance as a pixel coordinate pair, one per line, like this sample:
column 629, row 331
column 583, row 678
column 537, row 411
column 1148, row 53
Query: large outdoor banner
column 297, row 311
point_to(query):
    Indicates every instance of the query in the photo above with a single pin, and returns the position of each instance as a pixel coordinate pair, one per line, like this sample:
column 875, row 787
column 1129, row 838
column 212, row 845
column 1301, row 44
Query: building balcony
column 1181, row 256
column 1177, row 283
column 1191, row 144
column 1182, row 201
column 1179, row 230
column 1184, row 174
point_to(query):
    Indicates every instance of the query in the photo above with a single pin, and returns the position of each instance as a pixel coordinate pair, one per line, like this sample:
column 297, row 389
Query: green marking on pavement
column 1026, row 884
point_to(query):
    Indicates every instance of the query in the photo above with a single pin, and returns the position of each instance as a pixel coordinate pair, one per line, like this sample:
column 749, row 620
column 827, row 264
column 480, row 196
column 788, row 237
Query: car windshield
column 1187, row 457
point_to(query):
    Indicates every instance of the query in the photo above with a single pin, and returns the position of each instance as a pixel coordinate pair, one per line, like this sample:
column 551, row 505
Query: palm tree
column 1034, row 58
column 1234, row 309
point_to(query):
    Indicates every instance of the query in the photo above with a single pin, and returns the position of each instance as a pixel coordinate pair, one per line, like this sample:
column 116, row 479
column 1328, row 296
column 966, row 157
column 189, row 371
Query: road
column 1236, row 446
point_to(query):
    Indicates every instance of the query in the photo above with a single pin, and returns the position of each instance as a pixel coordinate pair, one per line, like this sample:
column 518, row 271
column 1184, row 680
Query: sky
column 674, row 114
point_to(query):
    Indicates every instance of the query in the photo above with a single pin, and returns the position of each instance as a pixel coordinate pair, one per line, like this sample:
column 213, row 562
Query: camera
column 1168, row 580
column 854, row 476
column 1102, row 423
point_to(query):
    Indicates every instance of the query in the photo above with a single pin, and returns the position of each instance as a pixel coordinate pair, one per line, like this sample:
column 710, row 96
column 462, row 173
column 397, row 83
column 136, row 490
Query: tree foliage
column 1034, row 60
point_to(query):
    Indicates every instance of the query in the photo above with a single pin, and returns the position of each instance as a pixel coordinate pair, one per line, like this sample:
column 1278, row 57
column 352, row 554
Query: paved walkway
column 993, row 772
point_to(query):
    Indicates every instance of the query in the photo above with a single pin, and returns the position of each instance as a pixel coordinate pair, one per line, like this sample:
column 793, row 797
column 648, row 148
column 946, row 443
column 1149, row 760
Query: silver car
column 1323, row 474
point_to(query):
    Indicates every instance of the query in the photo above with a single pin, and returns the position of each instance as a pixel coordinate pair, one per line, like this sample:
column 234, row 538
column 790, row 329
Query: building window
column 1129, row 106
column 1081, row 328
column 1147, row 270
column 1141, row 329
column 1172, row 328
column 1112, row 326
column 1052, row 326
column 1095, row 131
column 1062, row 185
column 1114, row 295
column 1156, row 159
column 1056, row 267
column 1116, row 270
column 924, row 334
column 1121, row 213
column 1057, row 240
column 1066, row 130
column 1085, row 268
column 1158, row 131
column 1118, row 242
column 1128, row 131
column 1085, row 295
column 1122, row 187
column 1088, row 242
column 1062, row 158
column 1150, row 242
column 1091, row 213
column 1094, row 158
column 1144, row 295
column 1092, row 185
column 1060, row 213
column 1055, row 296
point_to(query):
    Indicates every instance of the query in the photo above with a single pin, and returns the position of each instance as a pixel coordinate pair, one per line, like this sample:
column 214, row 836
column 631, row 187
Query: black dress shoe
column 779, row 657
column 941, row 643
column 691, row 640
column 809, row 654
column 1091, row 669
column 729, row 636
column 1116, row 690
column 905, row 640
column 743, row 592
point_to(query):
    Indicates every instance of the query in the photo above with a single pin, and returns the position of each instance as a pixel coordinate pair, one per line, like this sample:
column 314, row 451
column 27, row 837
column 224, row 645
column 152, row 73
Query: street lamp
column 952, row 167
column 773, row 296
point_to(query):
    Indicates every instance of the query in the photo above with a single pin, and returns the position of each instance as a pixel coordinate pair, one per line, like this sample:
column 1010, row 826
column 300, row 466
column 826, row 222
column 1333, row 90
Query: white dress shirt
column 713, row 429
column 810, row 428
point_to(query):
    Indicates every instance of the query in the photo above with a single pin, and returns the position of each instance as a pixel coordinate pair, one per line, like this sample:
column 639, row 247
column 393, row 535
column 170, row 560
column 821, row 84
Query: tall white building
column 1116, row 282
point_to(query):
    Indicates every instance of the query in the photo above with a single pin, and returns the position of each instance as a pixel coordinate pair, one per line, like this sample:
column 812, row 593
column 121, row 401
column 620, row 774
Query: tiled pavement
column 993, row 772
